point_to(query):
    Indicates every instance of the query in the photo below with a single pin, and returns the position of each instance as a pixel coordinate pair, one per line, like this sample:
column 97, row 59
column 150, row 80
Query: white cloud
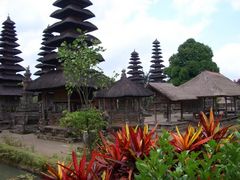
column 228, row 59
column 196, row 7
column 125, row 28
column 235, row 4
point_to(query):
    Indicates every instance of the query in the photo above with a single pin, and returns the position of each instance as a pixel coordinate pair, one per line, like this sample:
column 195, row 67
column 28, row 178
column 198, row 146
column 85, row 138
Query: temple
column 10, row 81
column 156, row 71
column 135, row 69
column 53, row 97
column 43, row 66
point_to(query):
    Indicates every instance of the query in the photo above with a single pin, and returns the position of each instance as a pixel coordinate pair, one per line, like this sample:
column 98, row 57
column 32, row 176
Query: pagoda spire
column 45, row 50
column 9, row 59
column 73, row 16
column 135, row 69
column 156, row 69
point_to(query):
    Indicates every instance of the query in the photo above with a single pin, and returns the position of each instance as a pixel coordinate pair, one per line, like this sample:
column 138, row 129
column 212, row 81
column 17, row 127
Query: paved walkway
column 44, row 147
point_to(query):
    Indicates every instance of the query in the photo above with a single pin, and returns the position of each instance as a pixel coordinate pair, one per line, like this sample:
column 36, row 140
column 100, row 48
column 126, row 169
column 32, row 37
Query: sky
column 128, row 25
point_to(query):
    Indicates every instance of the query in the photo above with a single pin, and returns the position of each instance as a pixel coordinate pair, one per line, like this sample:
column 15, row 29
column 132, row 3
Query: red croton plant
column 112, row 159
column 118, row 157
column 193, row 138
column 211, row 126
column 190, row 140
column 115, row 158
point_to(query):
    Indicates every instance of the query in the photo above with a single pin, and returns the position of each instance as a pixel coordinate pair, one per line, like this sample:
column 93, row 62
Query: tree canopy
column 80, row 61
column 191, row 59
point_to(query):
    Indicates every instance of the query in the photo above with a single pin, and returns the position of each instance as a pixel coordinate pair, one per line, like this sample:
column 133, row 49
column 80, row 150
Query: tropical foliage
column 192, row 58
column 208, row 163
column 85, row 120
column 114, row 158
column 137, row 153
column 84, row 124
column 191, row 140
column 80, row 61
column 211, row 126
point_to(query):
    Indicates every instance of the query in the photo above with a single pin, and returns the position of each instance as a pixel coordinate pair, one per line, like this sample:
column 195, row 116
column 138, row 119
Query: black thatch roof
column 72, row 10
column 49, row 80
column 210, row 84
column 156, row 73
column 9, row 79
column 11, row 90
column 124, row 88
column 54, row 79
column 81, row 3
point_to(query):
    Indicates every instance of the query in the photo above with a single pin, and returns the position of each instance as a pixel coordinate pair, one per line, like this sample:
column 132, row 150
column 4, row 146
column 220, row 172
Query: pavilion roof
column 172, row 92
column 53, row 79
column 210, row 84
column 124, row 88
column 49, row 80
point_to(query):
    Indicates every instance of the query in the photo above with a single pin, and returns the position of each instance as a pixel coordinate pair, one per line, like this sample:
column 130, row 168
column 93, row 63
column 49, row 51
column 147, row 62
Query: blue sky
column 134, row 24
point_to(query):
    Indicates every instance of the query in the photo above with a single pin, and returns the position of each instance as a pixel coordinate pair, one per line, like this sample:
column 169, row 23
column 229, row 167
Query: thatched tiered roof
column 43, row 66
column 49, row 80
column 9, row 77
column 54, row 79
column 135, row 69
column 124, row 88
column 156, row 71
column 72, row 15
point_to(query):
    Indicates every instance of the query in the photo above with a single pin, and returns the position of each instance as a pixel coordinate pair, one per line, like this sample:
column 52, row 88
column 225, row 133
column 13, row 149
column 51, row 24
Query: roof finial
column 123, row 73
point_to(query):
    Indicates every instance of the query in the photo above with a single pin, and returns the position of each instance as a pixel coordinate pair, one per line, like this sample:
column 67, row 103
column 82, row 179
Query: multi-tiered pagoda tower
column 156, row 70
column 46, row 50
column 10, row 80
column 135, row 69
column 72, row 15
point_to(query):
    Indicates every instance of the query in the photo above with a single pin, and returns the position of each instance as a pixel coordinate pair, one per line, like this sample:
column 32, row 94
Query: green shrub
column 211, row 162
column 86, row 120
column 86, row 123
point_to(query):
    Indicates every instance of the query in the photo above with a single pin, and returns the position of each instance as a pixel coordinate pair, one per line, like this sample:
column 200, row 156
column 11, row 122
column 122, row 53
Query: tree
column 191, row 59
column 80, row 61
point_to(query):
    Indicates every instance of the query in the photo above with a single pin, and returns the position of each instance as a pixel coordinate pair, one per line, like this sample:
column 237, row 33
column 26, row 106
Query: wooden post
column 44, row 105
column 155, row 113
column 213, row 103
column 126, row 111
column 69, row 102
column 99, row 104
column 225, row 106
column 104, row 104
column 203, row 104
column 168, row 112
column 181, row 109
column 139, row 112
column 235, row 106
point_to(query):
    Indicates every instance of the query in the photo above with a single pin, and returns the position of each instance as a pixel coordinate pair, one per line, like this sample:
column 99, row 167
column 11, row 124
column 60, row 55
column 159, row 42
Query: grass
column 15, row 153
column 22, row 158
